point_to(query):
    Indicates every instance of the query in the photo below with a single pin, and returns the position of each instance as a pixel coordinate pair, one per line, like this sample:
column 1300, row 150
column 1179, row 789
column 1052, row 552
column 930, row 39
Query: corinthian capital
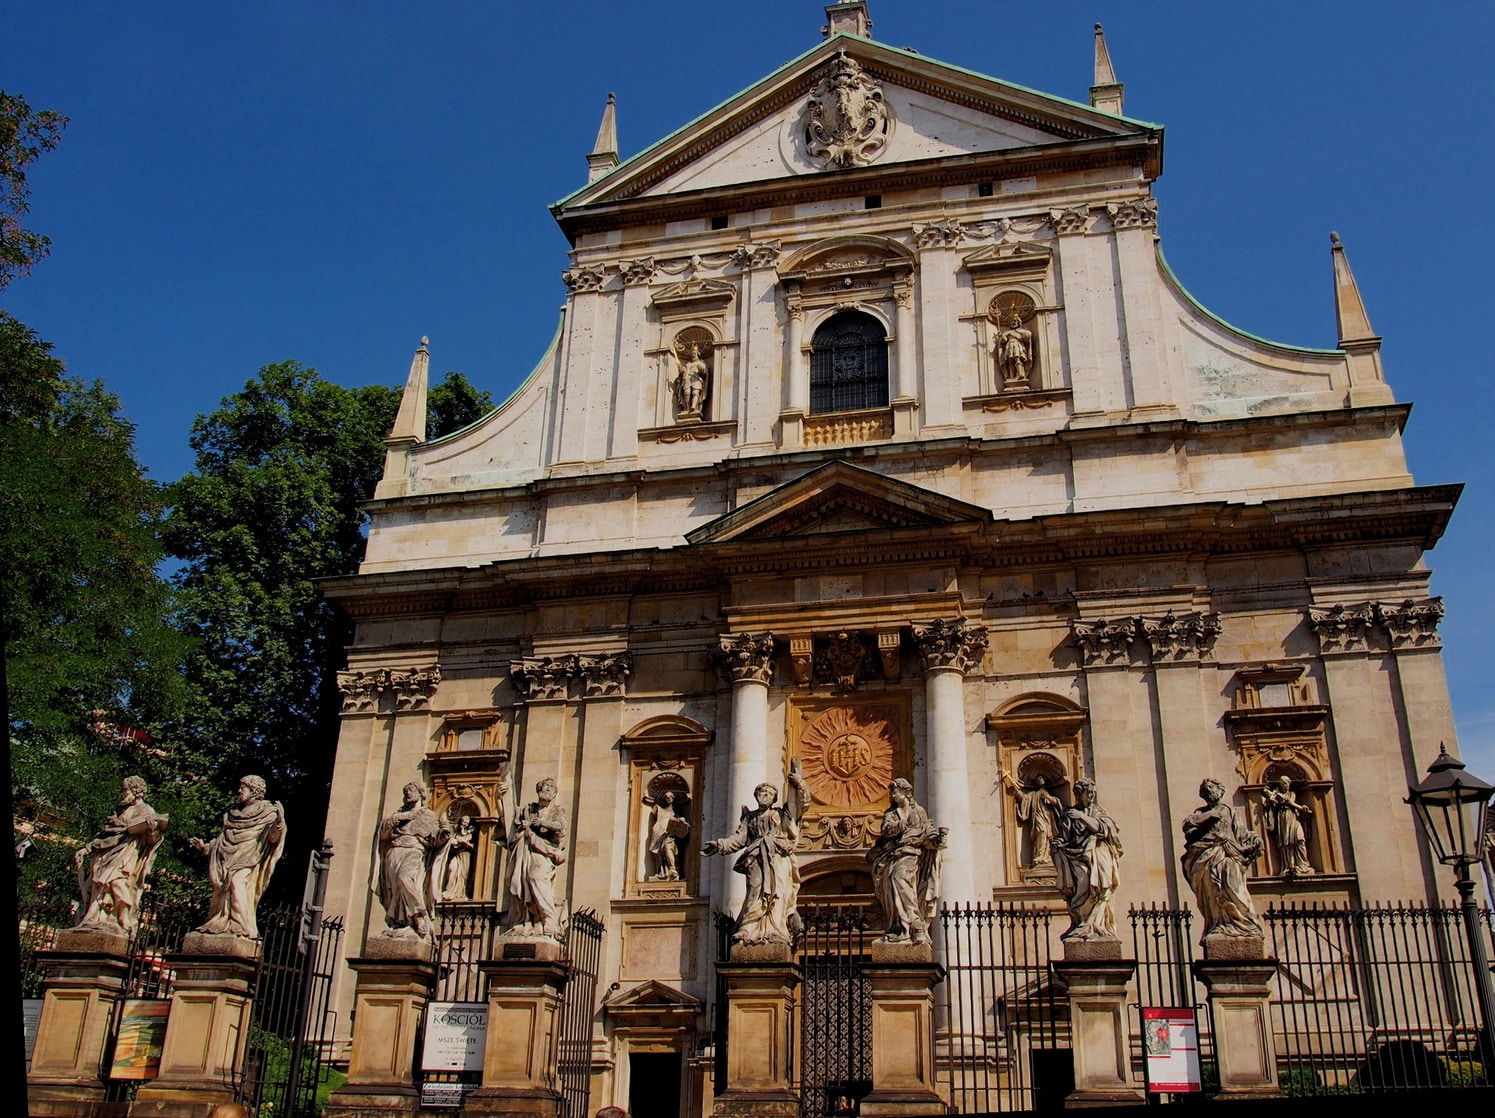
column 1412, row 624
column 1181, row 636
column 604, row 676
column 588, row 278
column 745, row 656
column 548, row 677
column 1104, row 641
column 1341, row 628
column 950, row 644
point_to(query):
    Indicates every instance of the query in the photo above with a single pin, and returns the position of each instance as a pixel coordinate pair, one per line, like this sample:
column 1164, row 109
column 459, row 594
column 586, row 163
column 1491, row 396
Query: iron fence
column 578, row 1007
column 1375, row 998
column 835, row 1010
column 1003, row 1023
column 464, row 938
column 724, row 925
column 1163, row 945
column 39, row 922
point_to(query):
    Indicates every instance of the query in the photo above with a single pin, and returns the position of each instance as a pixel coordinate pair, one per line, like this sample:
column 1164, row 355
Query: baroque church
column 878, row 437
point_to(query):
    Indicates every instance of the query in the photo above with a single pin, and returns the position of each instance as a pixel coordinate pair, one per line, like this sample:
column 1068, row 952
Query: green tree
column 91, row 658
column 454, row 403
column 25, row 135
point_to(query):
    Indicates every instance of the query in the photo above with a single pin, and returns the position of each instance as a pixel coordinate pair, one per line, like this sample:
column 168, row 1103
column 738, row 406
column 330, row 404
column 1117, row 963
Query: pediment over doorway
column 838, row 497
column 651, row 999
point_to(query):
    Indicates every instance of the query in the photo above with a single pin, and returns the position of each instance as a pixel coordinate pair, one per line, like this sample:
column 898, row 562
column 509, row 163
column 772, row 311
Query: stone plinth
column 1240, row 992
column 524, row 1031
column 85, row 975
column 395, row 978
column 902, row 978
column 207, row 1030
column 761, row 979
column 1096, row 976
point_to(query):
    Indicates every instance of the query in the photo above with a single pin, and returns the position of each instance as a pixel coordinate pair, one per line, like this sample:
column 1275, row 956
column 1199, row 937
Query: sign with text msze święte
column 456, row 1033
column 1170, row 1041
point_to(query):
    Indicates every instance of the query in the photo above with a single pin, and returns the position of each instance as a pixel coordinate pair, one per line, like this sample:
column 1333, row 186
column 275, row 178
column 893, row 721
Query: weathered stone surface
column 91, row 943
column 534, row 949
column 1091, row 950
column 202, row 943
column 902, row 952
column 1234, row 947
column 762, row 953
column 400, row 947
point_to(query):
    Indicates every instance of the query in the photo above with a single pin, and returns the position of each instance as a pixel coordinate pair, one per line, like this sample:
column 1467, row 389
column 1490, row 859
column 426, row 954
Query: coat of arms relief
column 846, row 122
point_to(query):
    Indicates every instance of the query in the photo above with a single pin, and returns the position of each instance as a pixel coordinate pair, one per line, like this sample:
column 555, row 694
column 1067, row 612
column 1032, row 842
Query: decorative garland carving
column 744, row 656
column 846, row 122
column 950, row 644
column 1188, row 636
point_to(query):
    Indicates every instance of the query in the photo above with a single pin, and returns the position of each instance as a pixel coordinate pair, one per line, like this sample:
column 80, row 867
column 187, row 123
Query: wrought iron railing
column 835, row 1009
column 584, row 935
column 1163, row 945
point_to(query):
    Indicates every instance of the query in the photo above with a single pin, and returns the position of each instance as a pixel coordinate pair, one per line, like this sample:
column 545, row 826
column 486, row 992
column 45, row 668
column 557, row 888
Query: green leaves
column 25, row 134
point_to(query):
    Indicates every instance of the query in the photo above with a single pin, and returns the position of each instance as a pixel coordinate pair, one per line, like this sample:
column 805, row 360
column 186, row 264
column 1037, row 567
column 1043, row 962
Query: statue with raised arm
column 113, row 867
column 1283, row 815
column 409, row 856
column 1087, row 855
column 1217, row 849
column 906, row 866
column 766, row 836
column 537, row 845
column 241, row 859
column 1038, row 810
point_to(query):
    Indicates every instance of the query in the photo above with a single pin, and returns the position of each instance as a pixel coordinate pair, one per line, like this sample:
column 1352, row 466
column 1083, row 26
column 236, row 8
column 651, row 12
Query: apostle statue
column 241, row 859
column 1087, row 855
column 537, row 845
column 906, row 866
column 1014, row 351
column 766, row 836
column 1284, row 818
column 691, row 384
column 1038, row 810
column 1217, row 849
column 456, row 883
column 410, row 853
column 113, row 867
column 668, row 830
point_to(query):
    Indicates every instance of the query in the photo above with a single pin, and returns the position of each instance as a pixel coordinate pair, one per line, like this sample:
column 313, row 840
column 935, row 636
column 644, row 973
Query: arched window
column 849, row 364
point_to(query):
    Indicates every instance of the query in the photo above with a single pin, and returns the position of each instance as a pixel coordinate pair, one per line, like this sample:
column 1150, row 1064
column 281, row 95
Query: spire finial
column 604, row 155
column 1349, row 308
column 1106, row 93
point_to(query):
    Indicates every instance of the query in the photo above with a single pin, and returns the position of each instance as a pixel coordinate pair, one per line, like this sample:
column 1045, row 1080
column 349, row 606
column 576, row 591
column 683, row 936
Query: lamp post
column 1440, row 802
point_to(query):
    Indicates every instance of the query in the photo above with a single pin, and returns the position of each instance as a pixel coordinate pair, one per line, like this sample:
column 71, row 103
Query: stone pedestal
column 207, row 1030
column 1096, row 976
column 85, row 976
column 520, row 1076
column 902, row 978
column 395, row 978
column 760, row 980
column 1239, row 982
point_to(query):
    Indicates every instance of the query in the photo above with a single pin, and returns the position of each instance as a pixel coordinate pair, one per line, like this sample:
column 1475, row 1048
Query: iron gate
column 835, row 1010
column 1163, row 944
column 578, row 1007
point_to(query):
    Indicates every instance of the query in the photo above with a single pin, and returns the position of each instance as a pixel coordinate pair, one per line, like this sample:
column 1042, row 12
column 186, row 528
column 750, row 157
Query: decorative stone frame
column 692, row 305
column 665, row 744
column 1288, row 738
column 1040, row 729
column 1015, row 269
column 479, row 776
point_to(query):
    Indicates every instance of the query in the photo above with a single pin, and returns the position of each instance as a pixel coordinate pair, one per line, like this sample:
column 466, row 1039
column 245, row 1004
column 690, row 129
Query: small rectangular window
column 983, row 190
column 719, row 221
column 873, row 201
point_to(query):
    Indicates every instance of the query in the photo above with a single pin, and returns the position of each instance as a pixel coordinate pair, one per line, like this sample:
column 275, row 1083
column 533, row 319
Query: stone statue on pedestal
column 1284, row 818
column 113, row 867
column 537, row 845
column 1087, row 856
column 456, row 874
column 1217, row 849
column 410, row 854
column 767, row 835
column 241, row 859
column 906, row 866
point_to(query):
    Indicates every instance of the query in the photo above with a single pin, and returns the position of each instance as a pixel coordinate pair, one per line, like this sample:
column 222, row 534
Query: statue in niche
column 1087, row 855
column 241, row 859
column 1217, row 849
column 1014, row 351
column 766, row 835
column 668, row 800
column 411, row 850
column 692, row 382
column 1284, row 818
column 537, row 845
column 906, row 866
column 456, row 882
column 1039, row 811
column 113, row 867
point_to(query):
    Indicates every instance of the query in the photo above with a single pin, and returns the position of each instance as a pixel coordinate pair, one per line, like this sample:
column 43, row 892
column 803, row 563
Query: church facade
column 877, row 435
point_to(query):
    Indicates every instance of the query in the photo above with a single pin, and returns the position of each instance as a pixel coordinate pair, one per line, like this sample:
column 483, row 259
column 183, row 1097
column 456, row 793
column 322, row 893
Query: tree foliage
column 25, row 135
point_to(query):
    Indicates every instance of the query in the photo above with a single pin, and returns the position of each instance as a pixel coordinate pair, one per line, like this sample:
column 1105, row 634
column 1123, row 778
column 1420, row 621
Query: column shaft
column 749, row 769
column 949, row 777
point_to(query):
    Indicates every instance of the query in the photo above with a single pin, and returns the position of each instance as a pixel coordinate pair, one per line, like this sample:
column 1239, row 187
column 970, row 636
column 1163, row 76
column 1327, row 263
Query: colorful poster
column 1170, row 1040
column 456, row 1034
column 142, row 1032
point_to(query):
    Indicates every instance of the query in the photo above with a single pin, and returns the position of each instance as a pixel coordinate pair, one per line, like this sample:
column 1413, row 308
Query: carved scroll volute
column 950, row 644
column 744, row 657
column 548, row 677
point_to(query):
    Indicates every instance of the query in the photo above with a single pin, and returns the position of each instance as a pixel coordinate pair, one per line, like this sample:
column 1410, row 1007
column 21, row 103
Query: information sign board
column 456, row 1033
column 1170, row 1041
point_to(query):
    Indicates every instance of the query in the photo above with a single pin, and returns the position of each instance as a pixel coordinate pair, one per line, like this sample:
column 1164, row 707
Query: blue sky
column 326, row 182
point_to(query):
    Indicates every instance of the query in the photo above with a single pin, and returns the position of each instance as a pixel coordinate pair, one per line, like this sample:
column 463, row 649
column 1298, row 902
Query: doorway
column 654, row 1084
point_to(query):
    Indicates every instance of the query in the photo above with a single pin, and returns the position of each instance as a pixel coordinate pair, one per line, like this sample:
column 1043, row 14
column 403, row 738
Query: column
column 799, row 372
column 85, row 976
column 950, row 649
column 207, row 1028
column 746, row 661
column 905, row 376
column 395, row 979
column 520, row 1075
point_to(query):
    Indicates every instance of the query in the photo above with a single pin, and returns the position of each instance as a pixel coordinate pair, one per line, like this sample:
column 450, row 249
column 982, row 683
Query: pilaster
column 85, row 977
column 760, row 1035
column 395, row 979
column 524, row 1018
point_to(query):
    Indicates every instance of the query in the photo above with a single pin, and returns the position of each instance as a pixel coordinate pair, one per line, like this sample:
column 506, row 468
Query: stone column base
column 761, row 980
column 902, row 978
column 520, row 1076
column 207, row 1030
column 1240, row 993
column 1096, row 976
column 85, row 977
column 395, row 977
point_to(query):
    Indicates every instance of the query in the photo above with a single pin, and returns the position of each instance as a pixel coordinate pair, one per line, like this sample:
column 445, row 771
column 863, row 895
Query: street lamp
column 1442, row 802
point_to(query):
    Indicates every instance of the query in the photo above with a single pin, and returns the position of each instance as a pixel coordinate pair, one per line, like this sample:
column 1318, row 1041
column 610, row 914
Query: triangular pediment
column 652, row 997
column 837, row 498
column 914, row 109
